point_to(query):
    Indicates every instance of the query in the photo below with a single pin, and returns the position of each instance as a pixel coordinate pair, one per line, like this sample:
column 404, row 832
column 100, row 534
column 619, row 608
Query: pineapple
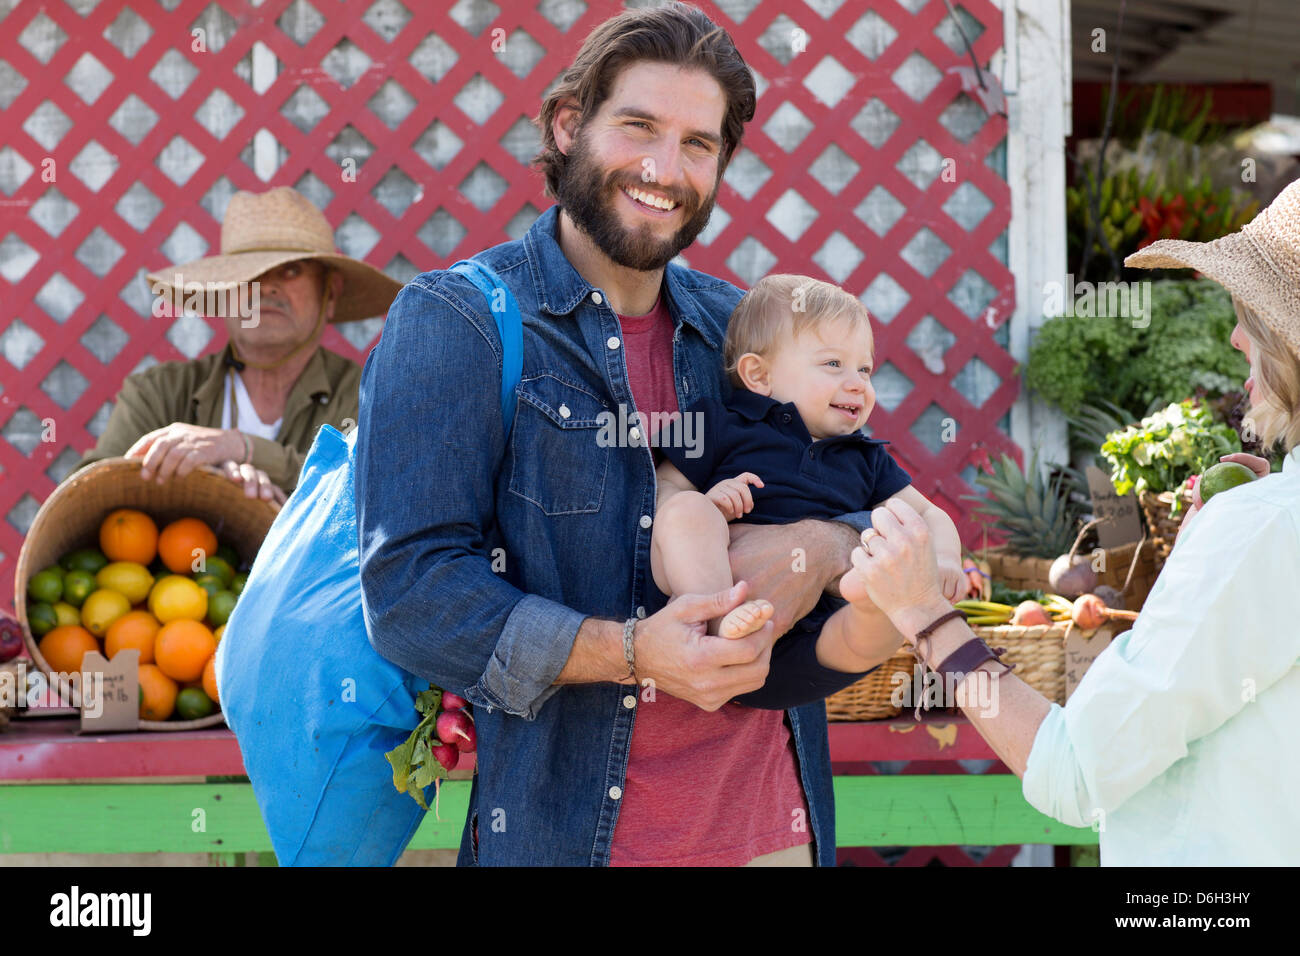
column 1037, row 515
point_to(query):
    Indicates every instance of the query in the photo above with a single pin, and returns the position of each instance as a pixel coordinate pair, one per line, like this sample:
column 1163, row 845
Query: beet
column 1031, row 614
column 1072, row 579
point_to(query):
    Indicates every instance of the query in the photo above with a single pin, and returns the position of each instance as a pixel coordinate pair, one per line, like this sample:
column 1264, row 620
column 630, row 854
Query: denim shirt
column 481, row 558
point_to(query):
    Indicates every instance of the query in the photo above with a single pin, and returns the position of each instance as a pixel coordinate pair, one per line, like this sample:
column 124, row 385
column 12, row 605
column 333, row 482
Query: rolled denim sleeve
column 429, row 445
column 859, row 520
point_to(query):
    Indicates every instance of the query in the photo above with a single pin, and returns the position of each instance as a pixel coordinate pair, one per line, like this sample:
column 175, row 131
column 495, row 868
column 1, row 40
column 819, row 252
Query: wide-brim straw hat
column 1260, row 265
column 264, row 230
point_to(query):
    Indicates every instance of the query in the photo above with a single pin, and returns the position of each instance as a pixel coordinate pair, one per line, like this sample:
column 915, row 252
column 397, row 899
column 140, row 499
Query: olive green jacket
column 194, row 392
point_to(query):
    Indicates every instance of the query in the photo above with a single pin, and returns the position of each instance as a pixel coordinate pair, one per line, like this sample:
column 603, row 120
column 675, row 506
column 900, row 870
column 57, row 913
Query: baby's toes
column 746, row 619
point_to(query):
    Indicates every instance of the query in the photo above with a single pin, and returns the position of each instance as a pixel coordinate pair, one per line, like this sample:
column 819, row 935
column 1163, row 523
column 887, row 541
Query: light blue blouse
column 1181, row 745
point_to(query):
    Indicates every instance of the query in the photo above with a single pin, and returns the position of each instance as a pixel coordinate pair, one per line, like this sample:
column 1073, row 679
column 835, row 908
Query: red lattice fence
column 122, row 144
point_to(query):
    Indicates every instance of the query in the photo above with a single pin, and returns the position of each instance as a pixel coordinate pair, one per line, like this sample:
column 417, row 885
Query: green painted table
column 185, row 792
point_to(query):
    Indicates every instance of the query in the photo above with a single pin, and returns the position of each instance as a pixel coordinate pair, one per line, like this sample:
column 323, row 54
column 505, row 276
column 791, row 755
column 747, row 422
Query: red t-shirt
column 702, row 789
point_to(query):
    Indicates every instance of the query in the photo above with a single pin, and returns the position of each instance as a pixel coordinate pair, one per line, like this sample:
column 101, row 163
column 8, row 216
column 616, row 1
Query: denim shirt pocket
column 558, row 461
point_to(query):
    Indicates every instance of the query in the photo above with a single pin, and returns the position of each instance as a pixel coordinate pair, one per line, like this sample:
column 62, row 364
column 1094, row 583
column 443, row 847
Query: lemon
column 175, row 597
column 66, row 614
column 126, row 577
column 103, row 608
column 218, row 632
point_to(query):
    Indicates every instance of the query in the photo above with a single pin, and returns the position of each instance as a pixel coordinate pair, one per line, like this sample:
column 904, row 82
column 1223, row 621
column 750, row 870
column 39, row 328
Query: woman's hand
column 895, row 566
column 255, row 482
column 1259, row 466
column 179, row 448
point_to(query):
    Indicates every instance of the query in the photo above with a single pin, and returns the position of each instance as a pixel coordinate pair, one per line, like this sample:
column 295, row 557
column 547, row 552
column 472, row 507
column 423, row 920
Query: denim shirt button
column 640, row 612
column 634, row 434
column 612, row 342
column 615, row 793
column 564, row 411
column 629, row 701
column 597, row 298
column 645, row 521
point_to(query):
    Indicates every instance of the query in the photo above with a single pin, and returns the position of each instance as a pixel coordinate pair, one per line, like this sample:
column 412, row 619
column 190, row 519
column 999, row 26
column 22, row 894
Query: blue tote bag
column 313, row 706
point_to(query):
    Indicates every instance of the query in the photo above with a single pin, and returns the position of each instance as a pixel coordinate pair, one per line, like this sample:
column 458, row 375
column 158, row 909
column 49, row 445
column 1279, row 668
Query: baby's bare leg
column 688, row 555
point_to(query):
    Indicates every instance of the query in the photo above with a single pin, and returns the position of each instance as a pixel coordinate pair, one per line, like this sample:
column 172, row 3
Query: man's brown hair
column 675, row 33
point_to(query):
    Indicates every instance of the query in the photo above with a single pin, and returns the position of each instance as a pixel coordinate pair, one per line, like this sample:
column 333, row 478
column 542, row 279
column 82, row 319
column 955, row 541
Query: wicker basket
column 1038, row 653
column 1162, row 526
column 72, row 514
column 869, row 698
column 1027, row 574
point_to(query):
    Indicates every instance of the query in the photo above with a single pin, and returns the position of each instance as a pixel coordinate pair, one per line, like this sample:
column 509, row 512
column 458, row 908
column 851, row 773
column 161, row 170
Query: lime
column 221, row 568
column 237, row 585
column 77, row 586
column 219, row 607
column 192, row 703
column 228, row 554
column 42, row 619
column 126, row 577
column 210, row 583
column 67, row 614
column 84, row 559
column 1221, row 477
column 46, row 585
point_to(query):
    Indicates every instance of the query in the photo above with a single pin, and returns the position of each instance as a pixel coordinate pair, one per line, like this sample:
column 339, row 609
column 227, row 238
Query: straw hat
column 264, row 230
column 1260, row 265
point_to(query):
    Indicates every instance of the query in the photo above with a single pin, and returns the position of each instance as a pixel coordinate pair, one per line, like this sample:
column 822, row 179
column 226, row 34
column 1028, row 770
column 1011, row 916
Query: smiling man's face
column 655, row 142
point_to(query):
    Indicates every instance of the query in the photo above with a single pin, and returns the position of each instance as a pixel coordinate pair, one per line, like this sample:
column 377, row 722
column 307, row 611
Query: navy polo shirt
column 802, row 478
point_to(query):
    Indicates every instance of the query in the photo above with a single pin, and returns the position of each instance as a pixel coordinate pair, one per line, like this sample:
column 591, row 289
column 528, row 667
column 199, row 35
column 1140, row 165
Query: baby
column 784, row 446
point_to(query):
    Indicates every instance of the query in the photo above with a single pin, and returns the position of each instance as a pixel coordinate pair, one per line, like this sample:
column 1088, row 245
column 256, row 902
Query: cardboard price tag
column 1120, row 522
column 1081, row 651
column 110, row 692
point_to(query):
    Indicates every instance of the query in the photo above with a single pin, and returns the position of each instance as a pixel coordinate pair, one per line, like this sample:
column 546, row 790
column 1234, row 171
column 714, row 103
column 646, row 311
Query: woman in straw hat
column 254, row 408
column 1179, row 746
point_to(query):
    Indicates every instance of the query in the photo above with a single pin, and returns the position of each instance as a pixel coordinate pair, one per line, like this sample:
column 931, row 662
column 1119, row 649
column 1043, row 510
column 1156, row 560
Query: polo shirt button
column 640, row 612
column 615, row 793
column 629, row 701
column 612, row 342
column 645, row 521
column 597, row 298
column 811, row 453
column 786, row 418
column 564, row 411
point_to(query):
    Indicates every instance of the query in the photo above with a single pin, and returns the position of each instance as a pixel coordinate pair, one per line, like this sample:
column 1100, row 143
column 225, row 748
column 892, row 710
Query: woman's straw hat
column 1260, row 265
column 264, row 230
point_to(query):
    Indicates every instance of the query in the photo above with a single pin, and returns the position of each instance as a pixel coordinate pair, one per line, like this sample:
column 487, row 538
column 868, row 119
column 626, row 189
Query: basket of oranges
column 112, row 562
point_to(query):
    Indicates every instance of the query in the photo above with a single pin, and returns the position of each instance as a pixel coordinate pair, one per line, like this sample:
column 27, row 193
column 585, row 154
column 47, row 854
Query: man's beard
column 592, row 210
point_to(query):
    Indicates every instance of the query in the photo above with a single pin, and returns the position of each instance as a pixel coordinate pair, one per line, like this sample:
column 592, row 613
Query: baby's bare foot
column 746, row 619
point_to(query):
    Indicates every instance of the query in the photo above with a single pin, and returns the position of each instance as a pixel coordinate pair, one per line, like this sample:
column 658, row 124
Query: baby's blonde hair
column 1276, row 369
column 783, row 304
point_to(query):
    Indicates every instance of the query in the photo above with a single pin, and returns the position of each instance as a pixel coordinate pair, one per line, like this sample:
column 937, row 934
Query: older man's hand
column 255, row 482
column 178, row 449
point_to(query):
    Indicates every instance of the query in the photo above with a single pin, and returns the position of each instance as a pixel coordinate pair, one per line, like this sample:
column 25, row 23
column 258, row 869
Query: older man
column 253, row 408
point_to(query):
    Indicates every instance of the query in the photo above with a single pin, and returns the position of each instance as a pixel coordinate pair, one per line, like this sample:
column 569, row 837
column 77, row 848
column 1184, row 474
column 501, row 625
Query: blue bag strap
column 510, row 329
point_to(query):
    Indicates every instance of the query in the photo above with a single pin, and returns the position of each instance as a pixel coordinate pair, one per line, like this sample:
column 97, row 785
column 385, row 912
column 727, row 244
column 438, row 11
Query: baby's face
column 826, row 373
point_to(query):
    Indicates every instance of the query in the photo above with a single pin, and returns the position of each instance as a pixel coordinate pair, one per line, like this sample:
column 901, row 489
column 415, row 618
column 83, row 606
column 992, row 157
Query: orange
column 159, row 693
column 181, row 539
column 136, row 629
column 210, row 679
column 127, row 535
column 182, row 647
column 63, row 647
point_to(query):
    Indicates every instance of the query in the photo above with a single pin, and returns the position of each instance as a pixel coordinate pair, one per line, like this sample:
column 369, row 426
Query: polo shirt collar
column 756, row 408
column 560, row 288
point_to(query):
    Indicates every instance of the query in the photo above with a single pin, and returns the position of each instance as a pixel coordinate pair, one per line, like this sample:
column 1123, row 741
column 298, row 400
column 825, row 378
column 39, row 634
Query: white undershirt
column 248, row 419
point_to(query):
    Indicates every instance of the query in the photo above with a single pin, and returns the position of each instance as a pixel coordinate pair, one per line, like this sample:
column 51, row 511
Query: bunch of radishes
column 455, row 729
